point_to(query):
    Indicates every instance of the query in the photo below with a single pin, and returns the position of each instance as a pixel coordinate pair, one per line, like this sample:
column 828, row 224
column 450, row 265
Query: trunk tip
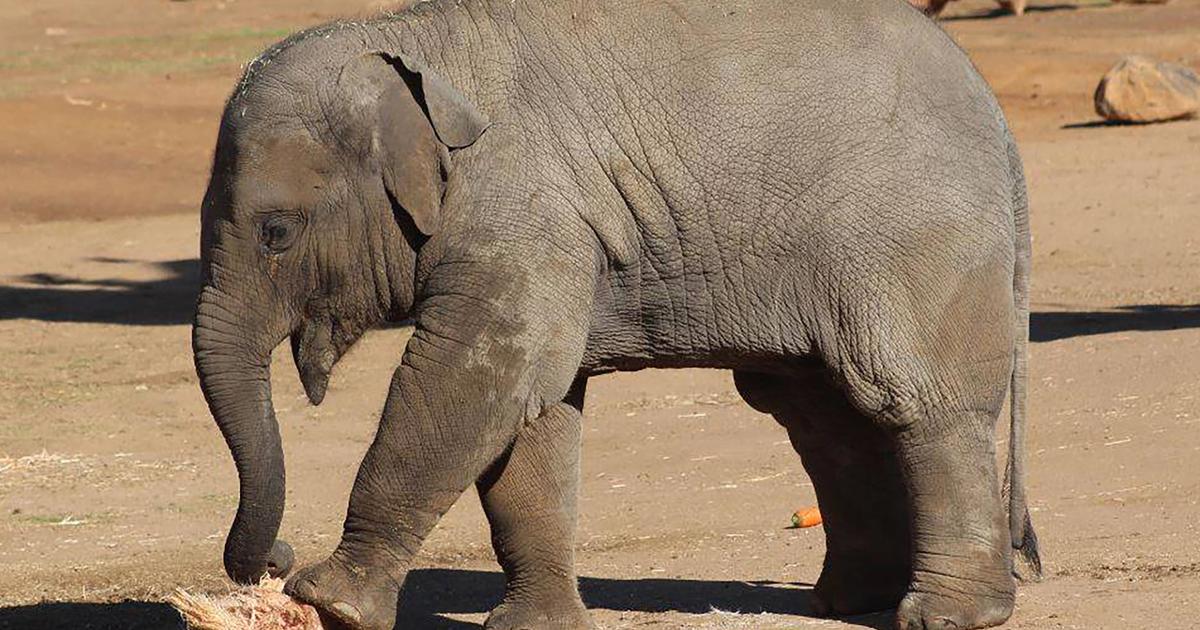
column 278, row 563
column 281, row 559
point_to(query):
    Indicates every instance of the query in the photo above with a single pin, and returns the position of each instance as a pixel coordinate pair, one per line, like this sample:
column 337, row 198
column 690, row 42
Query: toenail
column 346, row 611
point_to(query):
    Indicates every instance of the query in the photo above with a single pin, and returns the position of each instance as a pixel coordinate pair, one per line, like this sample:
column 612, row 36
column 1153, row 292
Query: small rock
column 1139, row 89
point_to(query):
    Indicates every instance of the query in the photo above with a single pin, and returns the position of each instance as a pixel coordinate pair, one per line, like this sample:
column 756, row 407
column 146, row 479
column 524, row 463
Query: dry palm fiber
column 261, row 607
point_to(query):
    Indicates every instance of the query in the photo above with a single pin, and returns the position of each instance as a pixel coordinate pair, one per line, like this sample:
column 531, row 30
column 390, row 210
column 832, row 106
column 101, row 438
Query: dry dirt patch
column 114, row 484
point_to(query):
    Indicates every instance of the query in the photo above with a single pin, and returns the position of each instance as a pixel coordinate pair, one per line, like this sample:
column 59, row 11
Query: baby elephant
column 822, row 197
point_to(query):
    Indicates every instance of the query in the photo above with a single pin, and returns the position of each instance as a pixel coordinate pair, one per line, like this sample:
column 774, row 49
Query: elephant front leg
column 496, row 348
column 419, row 464
column 962, row 559
column 422, row 459
column 530, row 497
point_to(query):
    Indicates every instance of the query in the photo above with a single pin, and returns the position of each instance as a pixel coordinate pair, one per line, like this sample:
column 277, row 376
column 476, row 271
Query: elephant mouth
column 315, row 356
column 317, row 345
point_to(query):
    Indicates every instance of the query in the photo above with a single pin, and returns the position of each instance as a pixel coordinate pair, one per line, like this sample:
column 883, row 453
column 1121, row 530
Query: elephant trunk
column 236, row 380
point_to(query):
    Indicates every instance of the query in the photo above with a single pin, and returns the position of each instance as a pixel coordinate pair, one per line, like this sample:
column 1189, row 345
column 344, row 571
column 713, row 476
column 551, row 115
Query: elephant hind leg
column 530, row 498
column 857, row 478
column 911, row 501
column 962, row 556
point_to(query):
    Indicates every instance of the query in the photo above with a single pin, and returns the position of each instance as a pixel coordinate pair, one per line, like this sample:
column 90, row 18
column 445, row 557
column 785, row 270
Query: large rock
column 1139, row 89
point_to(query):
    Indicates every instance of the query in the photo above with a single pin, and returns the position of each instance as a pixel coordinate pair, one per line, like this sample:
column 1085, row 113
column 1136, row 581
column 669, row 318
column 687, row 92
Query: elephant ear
column 456, row 121
column 417, row 117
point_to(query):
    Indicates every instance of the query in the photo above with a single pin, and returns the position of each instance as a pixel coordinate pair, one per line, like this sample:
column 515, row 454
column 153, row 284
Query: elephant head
column 328, row 177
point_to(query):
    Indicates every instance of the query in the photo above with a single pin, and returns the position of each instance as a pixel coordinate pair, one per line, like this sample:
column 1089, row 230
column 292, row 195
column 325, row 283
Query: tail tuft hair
column 1026, row 550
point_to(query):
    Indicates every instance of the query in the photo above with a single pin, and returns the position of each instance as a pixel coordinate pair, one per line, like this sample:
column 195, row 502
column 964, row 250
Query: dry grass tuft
column 261, row 607
column 49, row 470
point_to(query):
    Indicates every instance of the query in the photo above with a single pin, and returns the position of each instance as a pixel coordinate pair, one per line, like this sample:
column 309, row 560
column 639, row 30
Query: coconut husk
column 260, row 607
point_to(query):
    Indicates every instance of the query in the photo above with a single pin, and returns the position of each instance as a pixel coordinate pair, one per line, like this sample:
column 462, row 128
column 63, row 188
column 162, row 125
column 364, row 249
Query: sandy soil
column 115, row 487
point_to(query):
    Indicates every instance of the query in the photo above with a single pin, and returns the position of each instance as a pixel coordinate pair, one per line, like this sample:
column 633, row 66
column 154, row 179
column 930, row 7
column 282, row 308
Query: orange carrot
column 806, row 517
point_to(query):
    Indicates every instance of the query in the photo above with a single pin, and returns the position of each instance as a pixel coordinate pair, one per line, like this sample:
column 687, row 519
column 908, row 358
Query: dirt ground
column 115, row 486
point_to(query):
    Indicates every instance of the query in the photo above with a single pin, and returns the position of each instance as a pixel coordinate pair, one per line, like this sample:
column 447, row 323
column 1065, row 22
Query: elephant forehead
column 286, row 171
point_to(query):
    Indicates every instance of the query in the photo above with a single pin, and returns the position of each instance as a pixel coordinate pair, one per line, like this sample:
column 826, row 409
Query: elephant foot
column 925, row 609
column 356, row 598
column 857, row 587
column 530, row 616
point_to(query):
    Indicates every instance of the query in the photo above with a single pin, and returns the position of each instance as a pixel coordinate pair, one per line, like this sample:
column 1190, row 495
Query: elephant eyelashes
column 277, row 232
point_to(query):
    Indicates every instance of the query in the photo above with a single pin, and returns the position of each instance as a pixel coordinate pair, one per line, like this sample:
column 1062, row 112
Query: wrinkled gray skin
column 822, row 197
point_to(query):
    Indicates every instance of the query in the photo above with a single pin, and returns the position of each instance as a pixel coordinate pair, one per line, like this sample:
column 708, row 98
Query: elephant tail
column 1020, row 525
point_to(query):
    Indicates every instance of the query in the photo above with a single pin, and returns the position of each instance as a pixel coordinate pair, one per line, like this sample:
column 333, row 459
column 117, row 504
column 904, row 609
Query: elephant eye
column 277, row 232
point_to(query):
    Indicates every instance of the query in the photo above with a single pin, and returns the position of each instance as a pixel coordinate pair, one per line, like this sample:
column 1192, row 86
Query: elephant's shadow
column 171, row 300
column 429, row 594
